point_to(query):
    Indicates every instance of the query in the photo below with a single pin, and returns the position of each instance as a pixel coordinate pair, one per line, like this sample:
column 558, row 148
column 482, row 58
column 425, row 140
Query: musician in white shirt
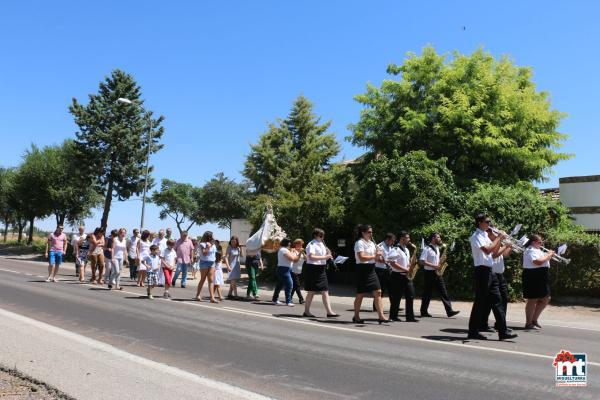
column 498, row 271
column 486, row 283
column 399, row 284
column 366, row 254
column 315, row 274
column 536, row 286
column 430, row 260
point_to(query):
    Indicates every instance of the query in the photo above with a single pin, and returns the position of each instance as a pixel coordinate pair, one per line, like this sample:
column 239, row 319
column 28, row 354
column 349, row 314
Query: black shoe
column 412, row 320
column 334, row 315
column 183, row 286
column 486, row 329
column 395, row 319
column 425, row 314
column 301, row 301
column 308, row 315
column 381, row 321
column 452, row 313
column 507, row 335
column 476, row 336
column 358, row 321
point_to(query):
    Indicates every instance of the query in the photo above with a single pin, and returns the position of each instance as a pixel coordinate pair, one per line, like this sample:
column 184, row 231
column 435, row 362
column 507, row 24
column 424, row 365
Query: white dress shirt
column 498, row 266
column 403, row 258
column 316, row 248
column 386, row 251
column 431, row 254
column 478, row 240
column 532, row 254
column 368, row 248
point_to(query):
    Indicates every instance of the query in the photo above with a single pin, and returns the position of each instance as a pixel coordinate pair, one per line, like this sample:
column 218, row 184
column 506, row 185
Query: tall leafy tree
column 112, row 140
column 484, row 115
column 30, row 196
column 7, row 214
column 72, row 196
column 291, row 167
column 223, row 200
column 179, row 201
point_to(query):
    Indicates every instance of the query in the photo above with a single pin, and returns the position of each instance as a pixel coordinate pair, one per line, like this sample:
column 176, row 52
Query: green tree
column 31, row 197
column 179, row 201
column 71, row 195
column 112, row 141
column 223, row 200
column 7, row 214
column 483, row 115
column 402, row 192
column 290, row 167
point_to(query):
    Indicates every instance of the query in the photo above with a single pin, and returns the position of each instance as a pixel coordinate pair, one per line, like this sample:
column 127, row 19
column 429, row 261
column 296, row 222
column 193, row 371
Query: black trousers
column 487, row 294
column 503, row 289
column 400, row 285
column 431, row 280
column 296, row 286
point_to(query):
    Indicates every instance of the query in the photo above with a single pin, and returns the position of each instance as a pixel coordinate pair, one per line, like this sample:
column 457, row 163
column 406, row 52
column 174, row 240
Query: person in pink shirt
column 184, row 249
column 56, row 246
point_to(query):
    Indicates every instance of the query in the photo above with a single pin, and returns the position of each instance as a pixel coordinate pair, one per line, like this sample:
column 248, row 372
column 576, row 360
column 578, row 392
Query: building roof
column 553, row 193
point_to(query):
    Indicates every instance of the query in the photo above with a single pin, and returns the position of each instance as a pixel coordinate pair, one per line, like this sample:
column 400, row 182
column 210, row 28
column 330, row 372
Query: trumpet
column 556, row 257
column 514, row 244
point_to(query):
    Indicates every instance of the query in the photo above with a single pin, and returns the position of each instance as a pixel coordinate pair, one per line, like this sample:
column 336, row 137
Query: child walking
column 168, row 263
column 220, row 262
column 152, row 264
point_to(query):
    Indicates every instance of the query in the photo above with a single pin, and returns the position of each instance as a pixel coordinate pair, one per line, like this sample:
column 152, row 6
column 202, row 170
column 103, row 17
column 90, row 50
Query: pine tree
column 112, row 140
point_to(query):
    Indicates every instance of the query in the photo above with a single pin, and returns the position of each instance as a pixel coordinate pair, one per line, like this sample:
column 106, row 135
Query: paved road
column 270, row 350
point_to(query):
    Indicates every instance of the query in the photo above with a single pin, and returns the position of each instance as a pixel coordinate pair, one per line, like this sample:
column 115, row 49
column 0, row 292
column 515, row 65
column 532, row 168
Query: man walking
column 56, row 246
column 184, row 249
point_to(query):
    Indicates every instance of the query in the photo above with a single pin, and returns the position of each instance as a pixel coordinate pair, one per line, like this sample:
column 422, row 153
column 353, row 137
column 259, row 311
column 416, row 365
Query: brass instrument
column 444, row 259
column 556, row 257
column 413, row 265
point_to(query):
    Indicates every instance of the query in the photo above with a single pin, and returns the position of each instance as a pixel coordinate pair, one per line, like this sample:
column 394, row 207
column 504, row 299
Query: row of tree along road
column 445, row 136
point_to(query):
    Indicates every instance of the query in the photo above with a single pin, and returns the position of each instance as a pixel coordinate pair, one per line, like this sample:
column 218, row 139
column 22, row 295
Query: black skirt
column 366, row 278
column 315, row 278
column 535, row 283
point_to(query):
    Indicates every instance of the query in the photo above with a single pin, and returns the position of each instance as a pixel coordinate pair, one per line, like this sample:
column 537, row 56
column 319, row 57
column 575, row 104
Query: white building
column 582, row 195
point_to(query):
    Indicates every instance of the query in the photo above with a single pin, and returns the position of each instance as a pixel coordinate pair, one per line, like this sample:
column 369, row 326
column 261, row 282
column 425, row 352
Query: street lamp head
column 124, row 100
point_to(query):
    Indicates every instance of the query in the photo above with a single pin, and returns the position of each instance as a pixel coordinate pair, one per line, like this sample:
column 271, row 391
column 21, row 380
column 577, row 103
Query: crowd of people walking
column 158, row 260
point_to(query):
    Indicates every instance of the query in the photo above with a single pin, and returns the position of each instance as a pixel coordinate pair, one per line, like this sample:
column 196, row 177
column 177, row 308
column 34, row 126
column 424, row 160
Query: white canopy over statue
column 268, row 236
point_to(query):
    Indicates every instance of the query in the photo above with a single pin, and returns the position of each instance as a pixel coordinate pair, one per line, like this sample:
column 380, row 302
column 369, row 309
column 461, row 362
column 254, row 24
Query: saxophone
column 413, row 265
column 443, row 260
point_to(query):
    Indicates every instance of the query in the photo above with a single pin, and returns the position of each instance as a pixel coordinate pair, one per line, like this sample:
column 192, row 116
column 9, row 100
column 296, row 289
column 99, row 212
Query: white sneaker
column 290, row 304
column 54, row 279
column 276, row 302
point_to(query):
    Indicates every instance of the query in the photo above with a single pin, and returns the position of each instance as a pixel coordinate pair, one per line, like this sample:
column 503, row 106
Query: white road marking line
column 236, row 392
column 339, row 328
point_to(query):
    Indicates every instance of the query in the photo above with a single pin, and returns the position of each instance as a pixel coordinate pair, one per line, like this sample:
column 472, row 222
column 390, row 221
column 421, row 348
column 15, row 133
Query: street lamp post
column 149, row 123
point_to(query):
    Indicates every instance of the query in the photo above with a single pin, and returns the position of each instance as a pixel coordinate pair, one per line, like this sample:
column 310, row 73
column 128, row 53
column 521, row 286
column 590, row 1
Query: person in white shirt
column 498, row 271
column 315, row 274
column 133, row 261
column 366, row 254
column 161, row 242
column 430, row 260
column 382, row 268
column 76, row 240
column 298, row 248
column 399, row 284
column 486, row 283
column 119, row 257
column 285, row 259
column 536, row 287
column 168, row 265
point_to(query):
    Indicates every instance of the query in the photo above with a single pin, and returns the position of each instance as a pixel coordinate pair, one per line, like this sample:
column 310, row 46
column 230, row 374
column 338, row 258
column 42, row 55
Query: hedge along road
column 269, row 350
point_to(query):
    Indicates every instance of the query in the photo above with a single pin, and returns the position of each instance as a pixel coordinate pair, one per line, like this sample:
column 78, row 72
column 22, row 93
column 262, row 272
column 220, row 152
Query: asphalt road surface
column 271, row 350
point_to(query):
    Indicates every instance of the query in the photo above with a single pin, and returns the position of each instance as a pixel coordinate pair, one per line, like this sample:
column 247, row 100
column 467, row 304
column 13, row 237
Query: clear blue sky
column 220, row 71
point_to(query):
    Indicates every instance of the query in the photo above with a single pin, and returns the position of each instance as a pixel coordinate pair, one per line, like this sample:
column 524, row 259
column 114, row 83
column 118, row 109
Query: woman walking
column 297, row 248
column 285, row 258
column 119, row 258
column 97, row 255
column 143, row 252
column 536, row 287
column 253, row 265
column 234, row 269
column 366, row 254
column 82, row 247
column 207, row 253
column 315, row 275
